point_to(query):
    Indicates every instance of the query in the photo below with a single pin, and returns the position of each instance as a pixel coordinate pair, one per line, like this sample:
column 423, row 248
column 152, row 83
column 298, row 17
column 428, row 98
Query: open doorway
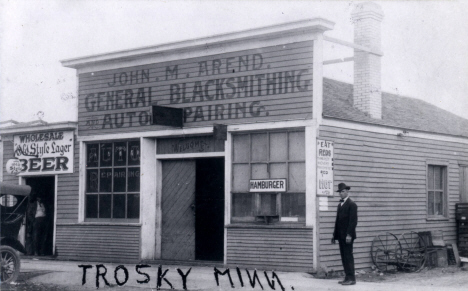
column 209, row 202
column 192, row 209
column 40, row 216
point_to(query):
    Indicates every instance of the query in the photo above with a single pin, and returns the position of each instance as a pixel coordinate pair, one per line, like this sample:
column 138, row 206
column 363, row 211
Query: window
column 267, row 156
column 113, row 181
column 436, row 191
column 8, row 200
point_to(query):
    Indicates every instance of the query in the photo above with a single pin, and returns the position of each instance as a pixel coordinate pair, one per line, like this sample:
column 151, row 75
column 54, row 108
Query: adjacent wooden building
column 245, row 171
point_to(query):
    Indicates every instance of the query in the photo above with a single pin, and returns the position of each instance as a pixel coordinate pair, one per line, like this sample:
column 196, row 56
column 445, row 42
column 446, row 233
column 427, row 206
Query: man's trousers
column 347, row 258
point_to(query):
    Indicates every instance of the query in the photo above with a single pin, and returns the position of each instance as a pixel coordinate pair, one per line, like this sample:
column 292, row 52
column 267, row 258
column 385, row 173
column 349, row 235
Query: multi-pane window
column 436, row 191
column 270, row 155
column 113, row 180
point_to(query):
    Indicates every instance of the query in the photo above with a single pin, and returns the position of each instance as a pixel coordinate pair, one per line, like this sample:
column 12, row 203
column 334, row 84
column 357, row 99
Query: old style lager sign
column 324, row 168
column 45, row 153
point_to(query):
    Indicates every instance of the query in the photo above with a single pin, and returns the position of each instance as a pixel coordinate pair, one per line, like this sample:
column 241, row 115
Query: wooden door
column 178, row 219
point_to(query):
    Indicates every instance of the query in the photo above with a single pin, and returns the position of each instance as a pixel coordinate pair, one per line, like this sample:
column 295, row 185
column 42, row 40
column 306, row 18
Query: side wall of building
column 387, row 175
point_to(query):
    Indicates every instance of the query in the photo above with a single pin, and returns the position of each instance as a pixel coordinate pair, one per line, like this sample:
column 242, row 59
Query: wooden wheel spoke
column 10, row 264
column 381, row 241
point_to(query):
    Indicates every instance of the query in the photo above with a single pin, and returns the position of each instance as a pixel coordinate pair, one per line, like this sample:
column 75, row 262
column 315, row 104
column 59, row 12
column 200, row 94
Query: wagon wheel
column 10, row 264
column 413, row 257
column 385, row 251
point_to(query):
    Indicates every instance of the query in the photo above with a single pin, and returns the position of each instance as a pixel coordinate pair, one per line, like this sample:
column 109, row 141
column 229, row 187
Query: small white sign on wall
column 324, row 168
column 268, row 185
column 323, row 203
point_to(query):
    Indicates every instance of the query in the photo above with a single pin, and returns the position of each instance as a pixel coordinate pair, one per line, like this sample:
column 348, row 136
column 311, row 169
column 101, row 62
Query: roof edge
column 22, row 128
column 307, row 25
column 395, row 127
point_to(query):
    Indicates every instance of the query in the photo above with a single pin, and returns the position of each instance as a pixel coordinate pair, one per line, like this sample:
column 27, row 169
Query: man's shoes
column 349, row 283
column 342, row 281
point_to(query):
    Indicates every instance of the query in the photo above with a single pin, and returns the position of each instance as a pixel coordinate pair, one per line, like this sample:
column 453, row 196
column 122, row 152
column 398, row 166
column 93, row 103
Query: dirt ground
column 450, row 276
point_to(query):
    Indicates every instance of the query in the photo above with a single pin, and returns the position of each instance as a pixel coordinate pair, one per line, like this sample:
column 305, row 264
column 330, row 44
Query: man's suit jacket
column 346, row 220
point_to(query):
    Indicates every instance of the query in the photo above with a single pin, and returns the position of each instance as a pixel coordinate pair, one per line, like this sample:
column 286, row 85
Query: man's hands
column 349, row 240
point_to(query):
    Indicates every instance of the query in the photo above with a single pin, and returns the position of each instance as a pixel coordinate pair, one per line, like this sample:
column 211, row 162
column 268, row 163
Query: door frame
column 463, row 183
column 159, row 159
column 22, row 181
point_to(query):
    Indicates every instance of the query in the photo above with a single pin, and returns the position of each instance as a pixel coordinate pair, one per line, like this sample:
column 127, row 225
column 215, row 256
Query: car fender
column 14, row 243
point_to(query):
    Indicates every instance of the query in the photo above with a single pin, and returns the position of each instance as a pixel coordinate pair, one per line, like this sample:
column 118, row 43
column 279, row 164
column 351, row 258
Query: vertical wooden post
column 227, row 189
column 54, row 233
column 311, row 193
column 81, row 181
column 312, row 131
column 148, row 198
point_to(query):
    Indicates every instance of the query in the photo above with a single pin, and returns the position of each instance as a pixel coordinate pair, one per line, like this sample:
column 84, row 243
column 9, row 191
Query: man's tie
column 341, row 200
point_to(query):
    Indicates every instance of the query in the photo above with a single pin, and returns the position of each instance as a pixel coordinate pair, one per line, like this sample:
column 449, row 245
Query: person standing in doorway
column 345, row 232
column 30, row 243
column 40, row 227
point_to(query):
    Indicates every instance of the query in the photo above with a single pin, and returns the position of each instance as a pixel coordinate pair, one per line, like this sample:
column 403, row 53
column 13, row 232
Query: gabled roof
column 397, row 111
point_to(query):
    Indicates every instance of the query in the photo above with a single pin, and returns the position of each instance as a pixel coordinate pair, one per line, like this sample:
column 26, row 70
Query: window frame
column 256, row 201
column 445, row 189
column 112, row 167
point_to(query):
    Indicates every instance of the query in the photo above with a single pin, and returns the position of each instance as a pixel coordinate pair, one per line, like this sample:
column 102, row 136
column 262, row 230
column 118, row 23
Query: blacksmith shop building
column 229, row 148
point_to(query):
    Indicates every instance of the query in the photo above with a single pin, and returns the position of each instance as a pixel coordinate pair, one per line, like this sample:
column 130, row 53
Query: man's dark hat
column 342, row 186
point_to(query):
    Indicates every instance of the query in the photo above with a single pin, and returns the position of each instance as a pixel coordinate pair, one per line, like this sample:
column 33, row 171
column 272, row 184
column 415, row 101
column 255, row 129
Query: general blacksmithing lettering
column 118, row 99
column 239, row 87
column 232, row 88
column 121, row 99
column 227, row 88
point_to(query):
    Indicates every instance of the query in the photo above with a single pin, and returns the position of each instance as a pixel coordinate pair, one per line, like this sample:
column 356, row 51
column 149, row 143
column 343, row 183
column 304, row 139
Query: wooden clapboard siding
column 286, row 249
column 68, row 192
column 100, row 243
column 275, row 53
column 387, row 175
column 296, row 103
column 8, row 154
column 178, row 220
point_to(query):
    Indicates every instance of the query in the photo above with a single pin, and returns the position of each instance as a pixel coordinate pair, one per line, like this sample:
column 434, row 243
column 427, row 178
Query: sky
column 425, row 44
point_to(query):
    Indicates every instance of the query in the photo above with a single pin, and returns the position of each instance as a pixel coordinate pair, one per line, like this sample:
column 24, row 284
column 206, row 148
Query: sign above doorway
column 45, row 153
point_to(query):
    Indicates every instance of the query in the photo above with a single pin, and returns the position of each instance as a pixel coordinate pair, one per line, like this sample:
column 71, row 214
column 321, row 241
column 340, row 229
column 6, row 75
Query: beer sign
column 45, row 153
column 324, row 168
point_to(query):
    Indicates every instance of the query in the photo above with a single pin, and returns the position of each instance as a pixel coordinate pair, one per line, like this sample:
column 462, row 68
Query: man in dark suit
column 345, row 232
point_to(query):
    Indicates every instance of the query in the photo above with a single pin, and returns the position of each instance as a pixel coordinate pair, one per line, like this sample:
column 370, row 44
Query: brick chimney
column 367, row 95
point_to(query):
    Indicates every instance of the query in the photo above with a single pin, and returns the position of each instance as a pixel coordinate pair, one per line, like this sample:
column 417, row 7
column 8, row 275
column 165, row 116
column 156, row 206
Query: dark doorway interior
column 40, row 242
column 209, row 205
